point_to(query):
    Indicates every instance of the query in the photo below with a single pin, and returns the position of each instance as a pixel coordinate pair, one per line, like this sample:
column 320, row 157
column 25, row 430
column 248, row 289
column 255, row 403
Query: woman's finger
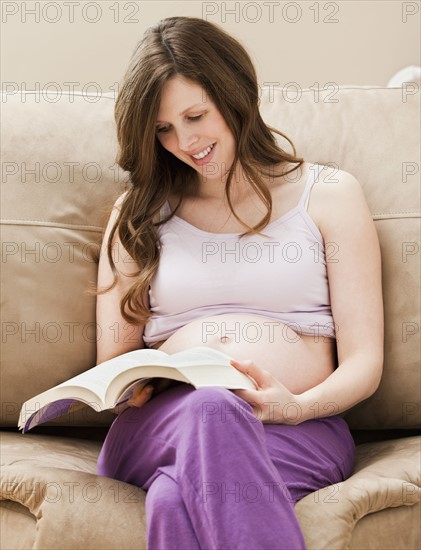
column 142, row 397
column 260, row 376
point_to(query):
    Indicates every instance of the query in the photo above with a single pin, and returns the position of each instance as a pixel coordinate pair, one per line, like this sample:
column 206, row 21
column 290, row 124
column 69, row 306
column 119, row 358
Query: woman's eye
column 164, row 129
column 197, row 117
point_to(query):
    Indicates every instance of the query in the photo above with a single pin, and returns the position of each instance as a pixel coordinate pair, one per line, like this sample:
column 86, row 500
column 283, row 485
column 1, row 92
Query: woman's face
column 191, row 128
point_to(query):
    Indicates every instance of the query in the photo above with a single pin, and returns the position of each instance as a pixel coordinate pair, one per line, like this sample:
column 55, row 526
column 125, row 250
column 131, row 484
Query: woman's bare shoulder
column 332, row 195
column 334, row 187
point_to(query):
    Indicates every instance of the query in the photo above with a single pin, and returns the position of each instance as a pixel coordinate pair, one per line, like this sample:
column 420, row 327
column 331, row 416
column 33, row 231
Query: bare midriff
column 298, row 361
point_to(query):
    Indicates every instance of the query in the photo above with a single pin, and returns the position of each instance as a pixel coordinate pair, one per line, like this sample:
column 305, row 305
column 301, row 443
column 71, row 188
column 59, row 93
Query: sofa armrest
column 386, row 475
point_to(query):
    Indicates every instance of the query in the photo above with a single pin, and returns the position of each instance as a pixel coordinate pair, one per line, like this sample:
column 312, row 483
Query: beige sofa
column 59, row 180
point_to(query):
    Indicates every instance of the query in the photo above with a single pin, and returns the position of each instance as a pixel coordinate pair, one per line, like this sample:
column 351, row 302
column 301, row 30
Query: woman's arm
column 354, row 273
column 114, row 335
column 355, row 284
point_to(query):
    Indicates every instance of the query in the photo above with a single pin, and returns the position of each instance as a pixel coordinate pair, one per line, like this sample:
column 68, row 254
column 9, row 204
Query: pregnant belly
column 298, row 361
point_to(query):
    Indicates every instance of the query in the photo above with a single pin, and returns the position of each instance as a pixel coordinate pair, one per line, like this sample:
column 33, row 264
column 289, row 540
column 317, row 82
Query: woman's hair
column 205, row 54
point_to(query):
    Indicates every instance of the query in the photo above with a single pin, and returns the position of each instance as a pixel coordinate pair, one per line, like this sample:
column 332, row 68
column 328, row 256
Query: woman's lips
column 205, row 160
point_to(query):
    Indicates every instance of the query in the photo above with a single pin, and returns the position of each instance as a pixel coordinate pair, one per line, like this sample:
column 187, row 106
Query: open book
column 115, row 381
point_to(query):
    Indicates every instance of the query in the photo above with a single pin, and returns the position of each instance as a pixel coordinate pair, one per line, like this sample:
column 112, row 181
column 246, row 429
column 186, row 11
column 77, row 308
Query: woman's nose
column 187, row 141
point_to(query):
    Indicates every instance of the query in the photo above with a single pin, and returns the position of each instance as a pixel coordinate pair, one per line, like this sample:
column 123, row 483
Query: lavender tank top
column 282, row 276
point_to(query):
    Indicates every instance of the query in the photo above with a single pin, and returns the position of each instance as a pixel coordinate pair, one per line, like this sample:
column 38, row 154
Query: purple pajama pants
column 217, row 477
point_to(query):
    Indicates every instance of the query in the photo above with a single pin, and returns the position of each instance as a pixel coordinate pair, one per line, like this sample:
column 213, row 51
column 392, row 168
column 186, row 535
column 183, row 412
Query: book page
column 48, row 412
column 99, row 378
column 132, row 376
column 199, row 355
column 223, row 376
column 200, row 373
column 105, row 379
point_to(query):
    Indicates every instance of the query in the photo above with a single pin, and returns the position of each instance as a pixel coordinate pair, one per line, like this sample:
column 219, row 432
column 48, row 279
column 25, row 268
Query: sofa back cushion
column 60, row 180
column 58, row 185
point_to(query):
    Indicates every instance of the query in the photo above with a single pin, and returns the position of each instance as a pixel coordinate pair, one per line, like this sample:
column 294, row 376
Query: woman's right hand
column 145, row 393
column 141, row 397
column 138, row 399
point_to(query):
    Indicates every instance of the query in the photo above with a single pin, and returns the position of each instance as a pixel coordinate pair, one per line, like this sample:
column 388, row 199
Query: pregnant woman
column 225, row 240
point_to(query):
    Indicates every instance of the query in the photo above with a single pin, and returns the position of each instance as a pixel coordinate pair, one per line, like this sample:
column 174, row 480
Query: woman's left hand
column 272, row 402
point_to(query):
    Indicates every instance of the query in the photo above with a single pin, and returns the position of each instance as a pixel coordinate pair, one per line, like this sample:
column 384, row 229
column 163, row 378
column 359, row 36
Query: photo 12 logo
column 271, row 12
column 70, row 12
column 53, row 92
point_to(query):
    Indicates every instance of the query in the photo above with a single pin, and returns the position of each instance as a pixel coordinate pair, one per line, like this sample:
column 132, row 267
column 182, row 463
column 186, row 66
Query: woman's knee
column 163, row 494
column 216, row 403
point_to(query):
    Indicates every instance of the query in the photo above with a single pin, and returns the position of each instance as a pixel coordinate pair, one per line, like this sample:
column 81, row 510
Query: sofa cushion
column 59, row 182
column 388, row 529
column 54, row 478
column 386, row 476
column 17, row 526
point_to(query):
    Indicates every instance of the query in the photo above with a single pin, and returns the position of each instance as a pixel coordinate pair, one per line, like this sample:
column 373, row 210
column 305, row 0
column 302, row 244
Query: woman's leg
column 168, row 524
column 225, row 463
column 311, row 455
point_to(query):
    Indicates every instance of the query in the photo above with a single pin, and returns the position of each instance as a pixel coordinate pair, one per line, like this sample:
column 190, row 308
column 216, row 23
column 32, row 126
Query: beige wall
column 306, row 42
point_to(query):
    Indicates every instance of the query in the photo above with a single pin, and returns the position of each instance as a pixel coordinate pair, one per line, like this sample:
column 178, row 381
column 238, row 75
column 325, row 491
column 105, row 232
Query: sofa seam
column 381, row 218
column 53, row 225
column 392, row 215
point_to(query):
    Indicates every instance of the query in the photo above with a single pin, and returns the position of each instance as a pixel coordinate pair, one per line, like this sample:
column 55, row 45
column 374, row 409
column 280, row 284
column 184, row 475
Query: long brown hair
column 205, row 54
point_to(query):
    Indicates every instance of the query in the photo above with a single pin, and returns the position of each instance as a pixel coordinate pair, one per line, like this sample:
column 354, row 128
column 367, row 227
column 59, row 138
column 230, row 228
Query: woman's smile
column 205, row 155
